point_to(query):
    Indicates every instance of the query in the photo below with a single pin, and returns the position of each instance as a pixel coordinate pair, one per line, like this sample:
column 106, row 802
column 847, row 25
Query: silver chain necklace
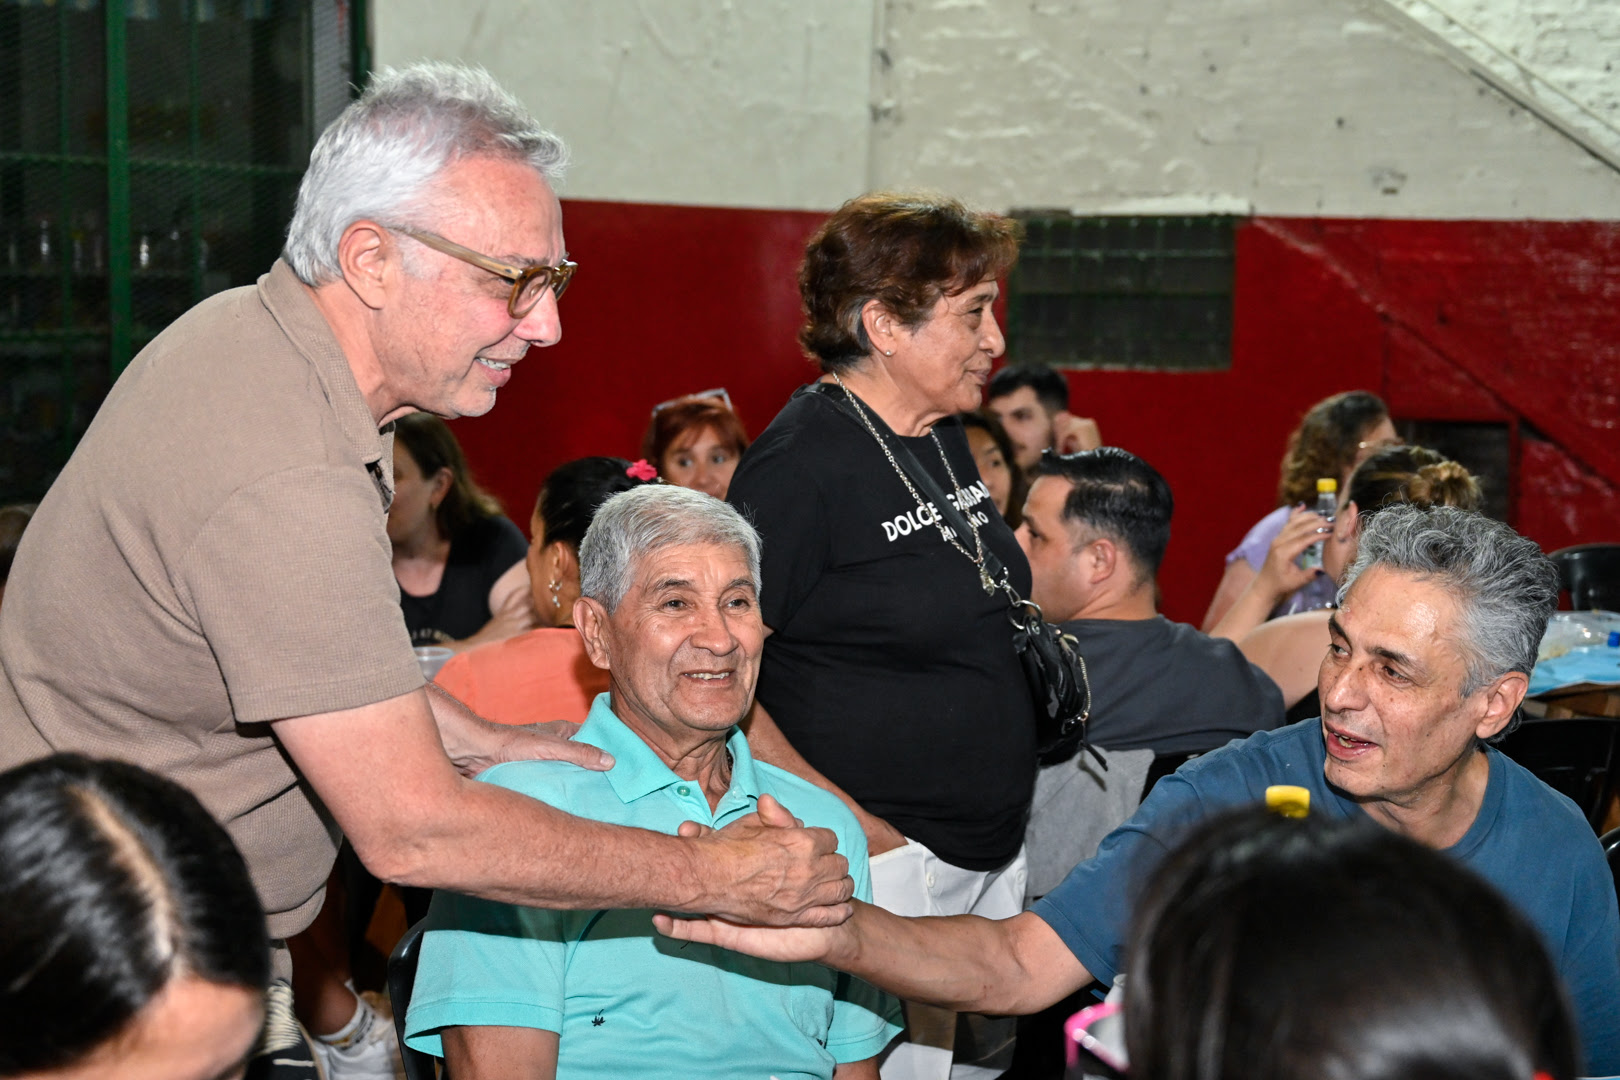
column 976, row 556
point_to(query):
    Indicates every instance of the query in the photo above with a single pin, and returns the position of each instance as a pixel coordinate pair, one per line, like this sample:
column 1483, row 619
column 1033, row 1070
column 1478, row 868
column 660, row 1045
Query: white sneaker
column 370, row 1053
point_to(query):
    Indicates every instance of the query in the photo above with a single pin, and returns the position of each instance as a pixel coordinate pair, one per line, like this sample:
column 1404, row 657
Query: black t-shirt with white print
column 890, row 669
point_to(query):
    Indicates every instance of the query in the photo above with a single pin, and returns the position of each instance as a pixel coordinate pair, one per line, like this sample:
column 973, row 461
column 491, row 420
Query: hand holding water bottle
column 1327, row 504
column 1281, row 574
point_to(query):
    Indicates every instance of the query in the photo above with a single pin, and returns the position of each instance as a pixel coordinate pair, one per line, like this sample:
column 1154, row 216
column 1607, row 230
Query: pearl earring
column 556, row 601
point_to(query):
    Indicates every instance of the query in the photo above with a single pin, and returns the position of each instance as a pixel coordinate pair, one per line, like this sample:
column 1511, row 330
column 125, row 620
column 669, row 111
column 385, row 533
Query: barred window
column 1138, row 293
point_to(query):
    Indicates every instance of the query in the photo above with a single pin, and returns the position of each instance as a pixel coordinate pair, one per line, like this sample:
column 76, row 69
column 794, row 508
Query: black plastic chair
column 1591, row 575
column 1578, row 756
column 1611, row 850
column 401, row 979
column 1163, row 765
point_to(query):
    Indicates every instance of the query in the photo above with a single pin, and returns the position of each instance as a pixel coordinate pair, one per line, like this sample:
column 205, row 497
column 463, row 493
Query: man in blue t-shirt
column 1430, row 656
column 669, row 583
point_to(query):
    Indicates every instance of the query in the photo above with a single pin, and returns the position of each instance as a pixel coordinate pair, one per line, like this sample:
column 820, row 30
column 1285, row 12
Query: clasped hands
column 817, row 936
column 764, row 869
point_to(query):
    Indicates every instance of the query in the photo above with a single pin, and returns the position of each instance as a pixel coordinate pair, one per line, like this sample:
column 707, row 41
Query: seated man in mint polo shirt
column 670, row 608
column 1430, row 655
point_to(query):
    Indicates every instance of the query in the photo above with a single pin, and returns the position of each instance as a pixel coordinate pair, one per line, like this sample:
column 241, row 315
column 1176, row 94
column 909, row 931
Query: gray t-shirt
column 1163, row 686
column 212, row 558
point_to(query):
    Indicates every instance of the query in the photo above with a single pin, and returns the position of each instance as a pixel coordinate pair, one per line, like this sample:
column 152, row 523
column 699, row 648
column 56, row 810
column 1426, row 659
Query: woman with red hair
column 696, row 441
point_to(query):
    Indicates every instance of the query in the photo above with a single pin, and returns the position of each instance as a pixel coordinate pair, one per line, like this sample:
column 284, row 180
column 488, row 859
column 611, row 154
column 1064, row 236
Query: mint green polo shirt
column 623, row 1000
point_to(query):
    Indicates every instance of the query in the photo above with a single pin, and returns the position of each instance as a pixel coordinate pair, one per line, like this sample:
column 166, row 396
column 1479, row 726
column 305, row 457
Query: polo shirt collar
column 289, row 303
column 638, row 771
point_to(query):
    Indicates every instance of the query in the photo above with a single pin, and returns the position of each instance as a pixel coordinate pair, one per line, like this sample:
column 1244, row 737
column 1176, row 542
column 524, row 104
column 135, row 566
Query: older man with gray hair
column 207, row 588
column 1432, row 646
column 670, row 607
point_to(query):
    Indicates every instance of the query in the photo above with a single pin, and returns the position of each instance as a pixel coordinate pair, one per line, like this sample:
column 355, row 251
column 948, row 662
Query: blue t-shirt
column 625, row 1001
column 1529, row 841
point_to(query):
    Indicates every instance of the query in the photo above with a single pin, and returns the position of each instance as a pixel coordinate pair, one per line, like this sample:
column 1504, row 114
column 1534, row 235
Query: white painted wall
column 1573, row 44
column 1333, row 107
column 711, row 102
column 1283, row 106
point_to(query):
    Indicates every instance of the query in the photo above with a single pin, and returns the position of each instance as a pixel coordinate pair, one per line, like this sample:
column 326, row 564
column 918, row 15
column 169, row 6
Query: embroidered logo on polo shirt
column 598, row 1020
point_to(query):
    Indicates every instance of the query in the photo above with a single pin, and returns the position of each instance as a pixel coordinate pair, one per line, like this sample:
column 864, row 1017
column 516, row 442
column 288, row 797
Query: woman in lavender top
column 1337, row 434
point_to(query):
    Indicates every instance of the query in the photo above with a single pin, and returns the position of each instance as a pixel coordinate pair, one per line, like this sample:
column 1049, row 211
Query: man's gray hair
column 1505, row 587
column 382, row 153
column 650, row 517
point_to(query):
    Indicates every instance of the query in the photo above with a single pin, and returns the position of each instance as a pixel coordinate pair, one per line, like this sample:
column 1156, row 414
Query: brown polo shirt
column 213, row 558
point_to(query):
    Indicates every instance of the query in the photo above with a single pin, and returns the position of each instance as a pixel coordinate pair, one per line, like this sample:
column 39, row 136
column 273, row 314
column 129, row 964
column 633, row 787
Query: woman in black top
column 890, row 676
column 458, row 560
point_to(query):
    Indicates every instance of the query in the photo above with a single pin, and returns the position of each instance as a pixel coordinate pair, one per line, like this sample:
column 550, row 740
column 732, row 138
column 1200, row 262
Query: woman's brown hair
column 1326, row 442
column 1410, row 474
column 433, row 447
column 904, row 250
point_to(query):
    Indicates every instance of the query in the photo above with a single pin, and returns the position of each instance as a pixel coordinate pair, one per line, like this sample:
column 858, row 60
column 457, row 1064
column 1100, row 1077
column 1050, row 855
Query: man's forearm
column 961, row 962
column 545, row 857
column 382, row 772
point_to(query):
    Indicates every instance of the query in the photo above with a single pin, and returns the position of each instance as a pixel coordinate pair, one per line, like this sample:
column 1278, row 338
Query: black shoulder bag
column 1051, row 659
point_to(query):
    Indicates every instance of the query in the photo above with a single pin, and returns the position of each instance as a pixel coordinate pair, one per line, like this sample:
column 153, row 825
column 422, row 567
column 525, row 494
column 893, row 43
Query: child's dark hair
column 115, row 881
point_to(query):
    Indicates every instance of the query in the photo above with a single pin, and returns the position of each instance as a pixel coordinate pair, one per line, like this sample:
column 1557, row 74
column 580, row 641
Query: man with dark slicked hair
column 1095, row 529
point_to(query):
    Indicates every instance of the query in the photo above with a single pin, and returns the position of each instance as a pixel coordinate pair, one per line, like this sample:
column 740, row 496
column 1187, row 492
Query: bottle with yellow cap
column 1288, row 800
column 1327, row 504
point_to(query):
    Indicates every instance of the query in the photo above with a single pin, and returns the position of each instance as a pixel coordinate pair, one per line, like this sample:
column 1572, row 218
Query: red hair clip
column 641, row 471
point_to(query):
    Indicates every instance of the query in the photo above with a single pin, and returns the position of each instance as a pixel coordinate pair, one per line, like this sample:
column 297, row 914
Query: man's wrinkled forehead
column 678, row 567
column 1406, row 619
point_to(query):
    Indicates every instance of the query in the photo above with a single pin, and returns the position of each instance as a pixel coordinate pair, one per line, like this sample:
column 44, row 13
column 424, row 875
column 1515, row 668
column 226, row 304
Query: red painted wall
column 668, row 300
column 1501, row 321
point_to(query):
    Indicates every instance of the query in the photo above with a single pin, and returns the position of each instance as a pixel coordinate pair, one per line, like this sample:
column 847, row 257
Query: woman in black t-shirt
column 458, row 560
column 890, row 676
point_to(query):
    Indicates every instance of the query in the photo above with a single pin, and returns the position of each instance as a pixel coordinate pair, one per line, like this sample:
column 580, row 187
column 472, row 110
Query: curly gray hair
column 1506, row 588
column 380, row 156
column 645, row 519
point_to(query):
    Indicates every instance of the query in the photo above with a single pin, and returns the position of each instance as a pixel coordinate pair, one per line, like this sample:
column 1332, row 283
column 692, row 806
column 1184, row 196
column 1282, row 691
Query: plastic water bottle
column 1327, row 504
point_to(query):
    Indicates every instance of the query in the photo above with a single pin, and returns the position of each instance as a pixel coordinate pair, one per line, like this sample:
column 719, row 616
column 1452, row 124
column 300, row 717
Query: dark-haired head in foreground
column 1270, row 948
column 131, row 940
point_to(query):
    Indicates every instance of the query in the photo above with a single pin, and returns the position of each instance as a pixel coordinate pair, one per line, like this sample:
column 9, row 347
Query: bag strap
column 925, row 483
